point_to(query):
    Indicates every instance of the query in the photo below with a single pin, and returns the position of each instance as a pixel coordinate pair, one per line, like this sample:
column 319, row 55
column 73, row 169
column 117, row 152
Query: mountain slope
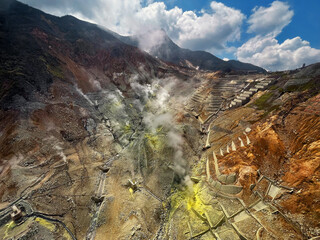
column 168, row 51
column 72, row 104
column 171, row 52
column 59, row 48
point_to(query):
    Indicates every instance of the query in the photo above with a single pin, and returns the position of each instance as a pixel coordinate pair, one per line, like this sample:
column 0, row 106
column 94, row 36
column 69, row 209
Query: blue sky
column 305, row 22
column 276, row 35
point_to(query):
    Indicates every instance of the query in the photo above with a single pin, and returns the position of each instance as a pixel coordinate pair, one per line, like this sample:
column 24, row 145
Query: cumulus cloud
column 270, row 20
column 209, row 30
column 270, row 54
column 264, row 49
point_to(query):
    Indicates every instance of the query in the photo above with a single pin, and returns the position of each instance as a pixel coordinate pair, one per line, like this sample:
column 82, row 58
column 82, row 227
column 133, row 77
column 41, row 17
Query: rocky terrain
column 259, row 173
column 100, row 140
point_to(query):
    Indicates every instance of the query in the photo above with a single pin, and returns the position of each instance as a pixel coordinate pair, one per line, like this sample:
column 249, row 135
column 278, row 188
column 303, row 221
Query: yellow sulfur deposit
column 46, row 224
column 9, row 226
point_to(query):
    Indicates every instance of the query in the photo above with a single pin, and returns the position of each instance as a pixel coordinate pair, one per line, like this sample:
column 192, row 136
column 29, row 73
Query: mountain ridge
column 60, row 48
column 169, row 51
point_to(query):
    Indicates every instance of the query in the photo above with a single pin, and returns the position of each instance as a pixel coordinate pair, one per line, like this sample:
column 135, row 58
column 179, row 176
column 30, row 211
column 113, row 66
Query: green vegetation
column 42, row 59
column 274, row 87
column 270, row 109
column 55, row 71
column 300, row 88
column 265, row 103
column 16, row 71
column 284, row 76
column 262, row 102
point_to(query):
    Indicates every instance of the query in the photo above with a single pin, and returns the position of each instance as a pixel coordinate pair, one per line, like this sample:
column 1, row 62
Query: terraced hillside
column 99, row 140
column 254, row 180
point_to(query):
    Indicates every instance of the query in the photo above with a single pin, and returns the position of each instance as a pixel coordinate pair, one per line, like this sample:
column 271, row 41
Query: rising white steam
column 157, row 95
column 83, row 95
column 150, row 39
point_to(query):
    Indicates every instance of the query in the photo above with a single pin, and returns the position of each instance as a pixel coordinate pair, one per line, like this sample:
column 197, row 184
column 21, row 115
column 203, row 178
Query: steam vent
column 101, row 139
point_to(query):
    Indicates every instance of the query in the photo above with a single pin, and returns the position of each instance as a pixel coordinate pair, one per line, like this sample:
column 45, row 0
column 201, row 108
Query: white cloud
column 209, row 30
column 268, row 53
column 264, row 49
column 270, row 20
column 294, row 43
column 150, row 39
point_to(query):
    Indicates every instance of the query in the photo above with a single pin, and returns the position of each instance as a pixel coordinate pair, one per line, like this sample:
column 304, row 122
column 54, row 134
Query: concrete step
column 233, row 104
column 224, row 88
column 242, row 98
column 197, row 99
column 215, row 103
column 216, row 100
column 213, row 106
column 212, row 110
column 197, row 96
column 196, row 102
column 267, row 80
column 260, row 86
column 265, row 83
column 245, row 95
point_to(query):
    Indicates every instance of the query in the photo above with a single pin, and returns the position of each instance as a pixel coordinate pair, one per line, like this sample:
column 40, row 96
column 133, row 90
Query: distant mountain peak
column 159, row 44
